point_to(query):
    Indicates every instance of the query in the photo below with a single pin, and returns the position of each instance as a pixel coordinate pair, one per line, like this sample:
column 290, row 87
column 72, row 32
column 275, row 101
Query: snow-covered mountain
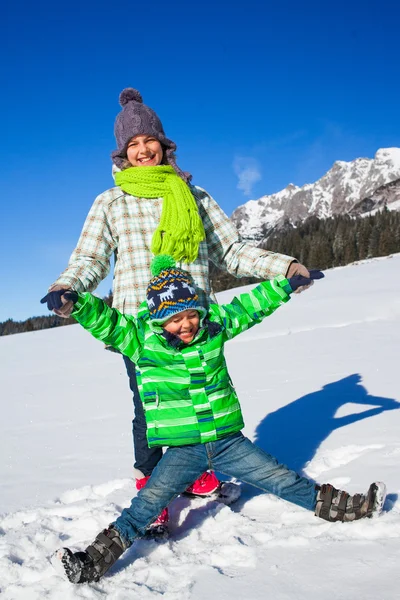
column 355, row 187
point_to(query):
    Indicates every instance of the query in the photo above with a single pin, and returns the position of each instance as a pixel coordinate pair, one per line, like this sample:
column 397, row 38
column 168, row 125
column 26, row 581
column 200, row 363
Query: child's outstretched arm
column 104, row 323
column 247, row 310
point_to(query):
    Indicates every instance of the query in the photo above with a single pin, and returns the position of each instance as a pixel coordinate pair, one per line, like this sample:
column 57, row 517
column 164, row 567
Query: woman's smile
column 144, row 151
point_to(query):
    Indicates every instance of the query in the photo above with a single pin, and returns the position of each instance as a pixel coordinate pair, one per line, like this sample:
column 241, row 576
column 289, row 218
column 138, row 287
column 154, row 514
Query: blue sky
column 286, row 88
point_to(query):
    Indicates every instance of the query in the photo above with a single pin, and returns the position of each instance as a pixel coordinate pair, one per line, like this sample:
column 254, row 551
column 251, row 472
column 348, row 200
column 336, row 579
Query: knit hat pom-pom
column 160, row 263
column 129, row 94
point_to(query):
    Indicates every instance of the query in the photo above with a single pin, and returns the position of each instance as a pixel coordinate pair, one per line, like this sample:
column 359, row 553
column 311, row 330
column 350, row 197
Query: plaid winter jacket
column 186, row 390
column 123, row 225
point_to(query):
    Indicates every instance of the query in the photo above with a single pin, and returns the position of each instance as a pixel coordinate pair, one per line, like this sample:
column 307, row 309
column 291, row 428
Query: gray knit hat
column 137, row 118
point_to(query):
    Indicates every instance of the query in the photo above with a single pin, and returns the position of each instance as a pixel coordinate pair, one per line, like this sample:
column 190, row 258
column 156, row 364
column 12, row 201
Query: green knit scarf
column 181, row 229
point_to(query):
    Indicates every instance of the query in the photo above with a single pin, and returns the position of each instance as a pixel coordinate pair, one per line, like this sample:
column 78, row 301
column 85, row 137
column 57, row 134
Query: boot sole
column 379, row 496
column 159, row 532
column 66, row 565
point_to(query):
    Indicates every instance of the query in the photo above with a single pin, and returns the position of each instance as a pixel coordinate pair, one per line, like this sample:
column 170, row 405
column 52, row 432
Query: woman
column 156, row 210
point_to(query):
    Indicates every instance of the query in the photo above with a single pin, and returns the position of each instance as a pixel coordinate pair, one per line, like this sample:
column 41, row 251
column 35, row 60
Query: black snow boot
column 88, row 566
column 337, row 505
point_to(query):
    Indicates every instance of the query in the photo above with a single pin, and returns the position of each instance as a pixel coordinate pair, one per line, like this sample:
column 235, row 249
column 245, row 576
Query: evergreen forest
column 325, row 243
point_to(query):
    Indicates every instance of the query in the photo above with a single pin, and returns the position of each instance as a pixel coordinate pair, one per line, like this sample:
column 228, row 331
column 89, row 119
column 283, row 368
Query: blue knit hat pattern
column 170, row 291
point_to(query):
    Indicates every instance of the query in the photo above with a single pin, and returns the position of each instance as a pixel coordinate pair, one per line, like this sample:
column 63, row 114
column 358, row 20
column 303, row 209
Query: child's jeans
column 234, row 455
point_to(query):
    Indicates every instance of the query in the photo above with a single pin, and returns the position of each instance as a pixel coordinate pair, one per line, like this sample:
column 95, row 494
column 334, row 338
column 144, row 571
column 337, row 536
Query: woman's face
column 144, row 151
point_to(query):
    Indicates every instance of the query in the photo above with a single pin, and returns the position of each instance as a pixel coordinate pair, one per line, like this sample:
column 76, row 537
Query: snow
column 318, row 387
column 392, row 206
column 384, row 155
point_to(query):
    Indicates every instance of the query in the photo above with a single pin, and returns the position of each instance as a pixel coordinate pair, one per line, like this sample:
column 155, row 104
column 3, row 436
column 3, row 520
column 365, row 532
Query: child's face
column 185, row 325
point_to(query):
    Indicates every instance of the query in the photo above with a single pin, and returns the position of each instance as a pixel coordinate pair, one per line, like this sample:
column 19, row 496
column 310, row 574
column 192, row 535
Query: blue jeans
column 234, row 455
column 145, row 458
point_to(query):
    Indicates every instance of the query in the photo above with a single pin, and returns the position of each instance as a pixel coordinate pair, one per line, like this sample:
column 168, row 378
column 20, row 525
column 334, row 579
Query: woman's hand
column 296, row 268
column 300, row 282
column 59, row 301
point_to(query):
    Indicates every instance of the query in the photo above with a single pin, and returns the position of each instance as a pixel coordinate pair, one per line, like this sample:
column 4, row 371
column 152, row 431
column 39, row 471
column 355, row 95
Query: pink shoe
column 205, row 485
column 160, row 525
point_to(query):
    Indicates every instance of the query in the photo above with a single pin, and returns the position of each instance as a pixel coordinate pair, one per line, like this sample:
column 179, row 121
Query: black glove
column 298, row 280
column 53, row 299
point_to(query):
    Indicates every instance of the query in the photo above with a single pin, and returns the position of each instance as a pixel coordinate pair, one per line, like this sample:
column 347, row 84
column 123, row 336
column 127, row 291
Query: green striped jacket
column 186, row 390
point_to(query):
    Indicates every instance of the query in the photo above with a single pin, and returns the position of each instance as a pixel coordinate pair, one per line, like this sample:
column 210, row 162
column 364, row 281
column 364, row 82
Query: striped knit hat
column 170, row 291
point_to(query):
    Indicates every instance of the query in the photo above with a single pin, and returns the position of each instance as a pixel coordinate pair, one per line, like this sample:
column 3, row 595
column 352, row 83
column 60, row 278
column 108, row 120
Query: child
column 192, row 407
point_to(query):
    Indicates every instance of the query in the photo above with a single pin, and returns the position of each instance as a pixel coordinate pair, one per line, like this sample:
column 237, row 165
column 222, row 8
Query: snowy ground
column 319, row 389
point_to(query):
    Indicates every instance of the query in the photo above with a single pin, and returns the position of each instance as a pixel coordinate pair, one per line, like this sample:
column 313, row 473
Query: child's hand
column 300, row 281
column 60, row 301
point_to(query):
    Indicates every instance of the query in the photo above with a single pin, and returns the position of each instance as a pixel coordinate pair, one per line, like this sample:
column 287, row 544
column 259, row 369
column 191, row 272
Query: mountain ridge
column 356, row 187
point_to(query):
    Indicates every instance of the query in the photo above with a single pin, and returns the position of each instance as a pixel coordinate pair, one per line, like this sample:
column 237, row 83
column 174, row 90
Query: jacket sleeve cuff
column 80, row 304
column 284, row 284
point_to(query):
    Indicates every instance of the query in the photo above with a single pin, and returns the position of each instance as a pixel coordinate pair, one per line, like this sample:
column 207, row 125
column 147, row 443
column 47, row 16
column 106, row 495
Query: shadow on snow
column 294, row 432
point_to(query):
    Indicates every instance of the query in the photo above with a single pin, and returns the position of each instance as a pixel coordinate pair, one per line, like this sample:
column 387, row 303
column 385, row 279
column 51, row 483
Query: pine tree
column 339, row 243
column 363, row 235
column 350, row 252
column 373, row 242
